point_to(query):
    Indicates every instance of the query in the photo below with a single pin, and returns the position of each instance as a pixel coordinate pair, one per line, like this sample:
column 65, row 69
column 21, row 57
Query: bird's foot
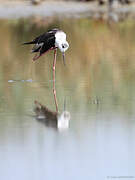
column 36, row 57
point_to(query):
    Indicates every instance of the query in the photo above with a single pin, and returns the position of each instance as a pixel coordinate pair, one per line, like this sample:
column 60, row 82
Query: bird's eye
column 64, row 46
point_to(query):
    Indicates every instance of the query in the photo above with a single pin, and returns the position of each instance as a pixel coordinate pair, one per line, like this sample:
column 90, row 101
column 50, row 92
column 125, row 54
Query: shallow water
column 98, row 85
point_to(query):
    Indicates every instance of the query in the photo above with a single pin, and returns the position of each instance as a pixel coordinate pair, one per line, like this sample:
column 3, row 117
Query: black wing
column 44, row 42
column 44, row 45
column 43, row 37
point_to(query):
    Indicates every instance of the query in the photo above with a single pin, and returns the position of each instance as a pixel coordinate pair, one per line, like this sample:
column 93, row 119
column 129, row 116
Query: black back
column 44, row 42
column 45, row 36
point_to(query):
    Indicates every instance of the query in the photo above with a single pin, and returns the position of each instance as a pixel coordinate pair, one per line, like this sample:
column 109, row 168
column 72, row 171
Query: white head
column 63, row 46
column 63, row 120
column 61, row 43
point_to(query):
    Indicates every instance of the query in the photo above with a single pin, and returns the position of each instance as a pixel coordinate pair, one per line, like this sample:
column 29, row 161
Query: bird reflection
column 50, row 118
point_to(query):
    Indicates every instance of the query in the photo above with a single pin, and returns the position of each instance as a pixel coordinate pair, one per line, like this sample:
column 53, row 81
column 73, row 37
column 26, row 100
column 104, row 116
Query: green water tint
column 100, row 63
column 98, row 84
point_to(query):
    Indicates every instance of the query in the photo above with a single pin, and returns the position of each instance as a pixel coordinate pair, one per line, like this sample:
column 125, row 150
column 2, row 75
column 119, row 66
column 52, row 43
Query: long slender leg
column 54, row 91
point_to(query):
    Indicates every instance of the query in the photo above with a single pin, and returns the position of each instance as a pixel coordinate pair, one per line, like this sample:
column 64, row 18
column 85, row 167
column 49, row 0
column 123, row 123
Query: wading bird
column 51, row 40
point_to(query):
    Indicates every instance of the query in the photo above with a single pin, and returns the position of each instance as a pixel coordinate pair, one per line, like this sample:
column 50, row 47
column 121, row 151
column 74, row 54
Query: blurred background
column 98, row 85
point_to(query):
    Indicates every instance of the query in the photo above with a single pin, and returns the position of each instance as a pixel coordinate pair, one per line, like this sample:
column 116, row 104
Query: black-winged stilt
column 51, row 40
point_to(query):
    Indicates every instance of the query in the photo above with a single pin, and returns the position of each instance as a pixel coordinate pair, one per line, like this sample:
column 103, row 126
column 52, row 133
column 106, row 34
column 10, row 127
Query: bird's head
column 61, row 42
column 63, row 46
column 63, row 120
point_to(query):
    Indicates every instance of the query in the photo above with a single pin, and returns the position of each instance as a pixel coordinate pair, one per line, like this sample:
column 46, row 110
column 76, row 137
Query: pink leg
column 54, row 91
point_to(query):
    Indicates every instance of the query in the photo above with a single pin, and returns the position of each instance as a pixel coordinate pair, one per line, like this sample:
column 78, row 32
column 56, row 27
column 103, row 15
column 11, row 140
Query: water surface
column 98, row 84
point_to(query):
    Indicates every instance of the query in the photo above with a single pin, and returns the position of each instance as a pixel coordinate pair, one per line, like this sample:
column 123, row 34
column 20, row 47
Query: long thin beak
column 64, row 58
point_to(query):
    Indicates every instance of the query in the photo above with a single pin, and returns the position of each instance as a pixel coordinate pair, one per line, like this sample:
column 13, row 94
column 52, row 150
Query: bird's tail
column 31, row 42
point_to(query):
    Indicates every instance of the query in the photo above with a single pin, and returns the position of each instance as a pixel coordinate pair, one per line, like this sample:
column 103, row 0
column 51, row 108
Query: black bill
column 64, row 58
